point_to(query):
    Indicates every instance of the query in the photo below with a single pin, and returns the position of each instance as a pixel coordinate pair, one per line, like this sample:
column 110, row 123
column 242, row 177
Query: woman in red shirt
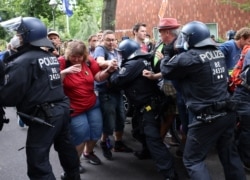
column 78, row 72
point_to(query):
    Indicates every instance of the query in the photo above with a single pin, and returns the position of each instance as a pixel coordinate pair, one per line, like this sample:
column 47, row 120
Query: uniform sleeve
column 174, row 68
column 127, row 73
column 16, row 81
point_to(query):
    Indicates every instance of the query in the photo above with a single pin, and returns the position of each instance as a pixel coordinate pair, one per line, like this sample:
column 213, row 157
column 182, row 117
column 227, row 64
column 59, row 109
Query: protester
column 139, row 32
column 203, row 81
column 111, row 98
column 92, row 41
column 35, row 74
column 55, row 39
column 78, row 71
column 232, row 48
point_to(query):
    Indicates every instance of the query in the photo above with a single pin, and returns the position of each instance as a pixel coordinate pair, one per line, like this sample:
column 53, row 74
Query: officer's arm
column 173, row 68
column 128, row 72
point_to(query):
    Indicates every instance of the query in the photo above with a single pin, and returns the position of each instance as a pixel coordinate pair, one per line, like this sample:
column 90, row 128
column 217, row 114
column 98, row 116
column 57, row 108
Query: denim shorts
column 113, row 112
column 87, row 125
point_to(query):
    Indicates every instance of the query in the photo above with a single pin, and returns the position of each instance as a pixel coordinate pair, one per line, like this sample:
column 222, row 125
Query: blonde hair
column 76, row 47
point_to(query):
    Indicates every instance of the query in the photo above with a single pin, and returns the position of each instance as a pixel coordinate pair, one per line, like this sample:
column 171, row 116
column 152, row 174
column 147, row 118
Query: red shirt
column 79, row 87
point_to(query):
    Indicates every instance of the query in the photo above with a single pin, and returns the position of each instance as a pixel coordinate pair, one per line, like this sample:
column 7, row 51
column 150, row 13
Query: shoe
column 81, row 169
column 121, row 147
column 72, row 177
column 93, row 159
column 142, row 155
column 106, row 150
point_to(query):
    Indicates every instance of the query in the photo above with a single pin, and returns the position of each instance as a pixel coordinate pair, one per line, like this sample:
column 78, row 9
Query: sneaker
column 106, row 151
column 93, row 159
column 121, row 147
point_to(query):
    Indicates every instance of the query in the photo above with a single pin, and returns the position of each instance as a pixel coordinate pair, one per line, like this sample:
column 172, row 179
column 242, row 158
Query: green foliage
column 245, row 6
column 84, row 22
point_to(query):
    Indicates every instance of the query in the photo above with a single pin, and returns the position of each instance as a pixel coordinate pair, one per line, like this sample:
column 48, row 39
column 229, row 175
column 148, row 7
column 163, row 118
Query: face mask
column 15, row 42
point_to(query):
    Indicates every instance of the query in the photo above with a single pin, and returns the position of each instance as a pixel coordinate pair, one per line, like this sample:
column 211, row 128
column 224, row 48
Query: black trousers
column 40, row 138
column 158, row 150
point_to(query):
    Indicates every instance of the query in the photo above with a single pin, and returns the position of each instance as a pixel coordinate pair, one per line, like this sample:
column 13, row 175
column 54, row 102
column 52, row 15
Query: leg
column 119, row 125
column 109, row 115
column 158, row 150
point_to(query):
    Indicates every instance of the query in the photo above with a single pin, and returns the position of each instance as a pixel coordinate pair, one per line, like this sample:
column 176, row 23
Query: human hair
column 106, row 32
column 175, row 32
column 242, row 33
column 76, row 47
column 137, row 26
column 91, row 36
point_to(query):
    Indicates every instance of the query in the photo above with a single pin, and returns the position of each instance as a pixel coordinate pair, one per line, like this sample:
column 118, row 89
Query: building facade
column 219, row 17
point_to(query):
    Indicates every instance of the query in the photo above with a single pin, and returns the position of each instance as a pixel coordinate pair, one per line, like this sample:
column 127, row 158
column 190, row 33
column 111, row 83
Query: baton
column 34, row 119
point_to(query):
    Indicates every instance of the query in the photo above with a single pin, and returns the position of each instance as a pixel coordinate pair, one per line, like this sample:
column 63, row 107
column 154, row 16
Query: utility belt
column 155, row 105
column 218, row 109
column 44, row 110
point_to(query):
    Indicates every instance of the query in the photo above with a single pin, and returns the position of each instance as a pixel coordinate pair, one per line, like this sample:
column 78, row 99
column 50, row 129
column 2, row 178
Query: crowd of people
column 78, row 89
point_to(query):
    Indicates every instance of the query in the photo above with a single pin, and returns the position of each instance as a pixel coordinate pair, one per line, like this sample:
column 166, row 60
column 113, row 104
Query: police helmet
column 127, row 47
column 230, row 34
column 194, row 34
column 32, row 30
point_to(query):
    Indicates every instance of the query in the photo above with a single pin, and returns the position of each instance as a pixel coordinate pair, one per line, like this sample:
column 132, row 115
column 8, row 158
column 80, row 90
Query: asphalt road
column 124, row 166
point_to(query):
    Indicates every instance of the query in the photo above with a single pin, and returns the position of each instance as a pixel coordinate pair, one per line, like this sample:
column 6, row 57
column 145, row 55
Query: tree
column 85, row 21
column 108, row 14
column 243, row 6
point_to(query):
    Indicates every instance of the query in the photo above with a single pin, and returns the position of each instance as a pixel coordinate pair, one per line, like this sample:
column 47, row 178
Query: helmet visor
column 11, row 24
column 182, row 42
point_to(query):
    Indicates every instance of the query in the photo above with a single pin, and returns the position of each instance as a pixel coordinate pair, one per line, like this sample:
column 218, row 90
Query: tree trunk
column 108, row 14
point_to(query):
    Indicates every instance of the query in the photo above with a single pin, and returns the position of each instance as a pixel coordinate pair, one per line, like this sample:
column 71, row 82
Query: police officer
column 146, row 96
column 34, row 73
column 242, row 94
column 202, row 75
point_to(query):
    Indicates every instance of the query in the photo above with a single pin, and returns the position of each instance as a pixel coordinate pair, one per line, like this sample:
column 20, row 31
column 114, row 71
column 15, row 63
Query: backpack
column 235, row 78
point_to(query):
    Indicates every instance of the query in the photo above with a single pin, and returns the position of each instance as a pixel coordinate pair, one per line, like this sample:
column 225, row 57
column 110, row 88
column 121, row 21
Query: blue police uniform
column 32, row 83
column 202, row 76
column 146, row 96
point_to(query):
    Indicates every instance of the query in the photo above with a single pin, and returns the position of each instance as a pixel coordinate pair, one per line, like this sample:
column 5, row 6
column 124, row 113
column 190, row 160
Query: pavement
column 124, row 166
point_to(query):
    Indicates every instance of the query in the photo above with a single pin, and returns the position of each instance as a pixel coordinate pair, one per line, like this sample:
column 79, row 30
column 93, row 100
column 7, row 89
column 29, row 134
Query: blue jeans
column 204, row 136
column 113, row 112
column 87, row 126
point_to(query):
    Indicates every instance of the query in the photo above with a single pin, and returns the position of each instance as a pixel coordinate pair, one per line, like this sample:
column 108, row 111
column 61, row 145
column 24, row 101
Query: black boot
column 73, row 176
